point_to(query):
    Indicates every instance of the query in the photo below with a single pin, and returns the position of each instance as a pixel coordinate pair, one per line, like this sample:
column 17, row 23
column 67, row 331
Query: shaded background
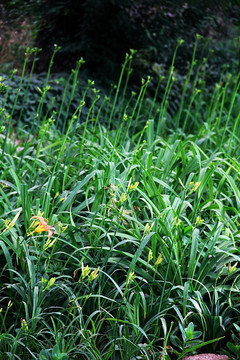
column 102, row 31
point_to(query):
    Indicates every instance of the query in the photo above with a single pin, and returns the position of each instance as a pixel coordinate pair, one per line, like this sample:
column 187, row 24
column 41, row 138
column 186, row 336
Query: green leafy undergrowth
column 133, row 249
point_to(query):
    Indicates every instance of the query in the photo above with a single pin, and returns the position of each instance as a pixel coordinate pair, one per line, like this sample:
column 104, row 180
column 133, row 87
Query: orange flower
column 43, row 226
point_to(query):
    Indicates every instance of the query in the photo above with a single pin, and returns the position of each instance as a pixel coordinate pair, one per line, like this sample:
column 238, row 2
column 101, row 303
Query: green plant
column 233, row 347
column 119, row 237
column 56, row 354
column 190, row 341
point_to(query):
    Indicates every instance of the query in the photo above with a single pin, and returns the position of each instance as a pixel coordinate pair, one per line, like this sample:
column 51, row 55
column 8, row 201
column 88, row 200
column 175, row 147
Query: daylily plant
column 43, row 226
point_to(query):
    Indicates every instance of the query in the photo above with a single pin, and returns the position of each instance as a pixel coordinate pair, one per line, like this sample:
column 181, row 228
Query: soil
column 207, row 357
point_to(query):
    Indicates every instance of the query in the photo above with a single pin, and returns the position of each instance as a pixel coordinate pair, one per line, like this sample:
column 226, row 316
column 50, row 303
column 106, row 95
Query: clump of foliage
column 120, row 228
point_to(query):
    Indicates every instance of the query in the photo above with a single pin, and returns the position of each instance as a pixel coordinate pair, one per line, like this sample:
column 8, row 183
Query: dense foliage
column 119, row 226
column 102, row 31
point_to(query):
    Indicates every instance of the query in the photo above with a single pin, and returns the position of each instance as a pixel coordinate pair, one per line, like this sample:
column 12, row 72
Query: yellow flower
column 123, row 198
column 94, row 274
column 85, row 271
column 147, row 229
column 9, row 225
column 47, row 283
column 231, row 269
column 150, row 256
column 43, row 226
column 130, row 277
column 159, row 260
column 194, row 186
column 131, row 187
column 199, row 221
column 24, row 326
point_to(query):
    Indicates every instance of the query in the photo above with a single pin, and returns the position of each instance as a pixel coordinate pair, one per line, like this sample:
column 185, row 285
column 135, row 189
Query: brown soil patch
column 207, row 357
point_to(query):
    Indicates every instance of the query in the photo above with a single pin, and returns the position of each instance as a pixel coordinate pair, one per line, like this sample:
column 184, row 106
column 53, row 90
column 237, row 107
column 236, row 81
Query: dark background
column 102, row 31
